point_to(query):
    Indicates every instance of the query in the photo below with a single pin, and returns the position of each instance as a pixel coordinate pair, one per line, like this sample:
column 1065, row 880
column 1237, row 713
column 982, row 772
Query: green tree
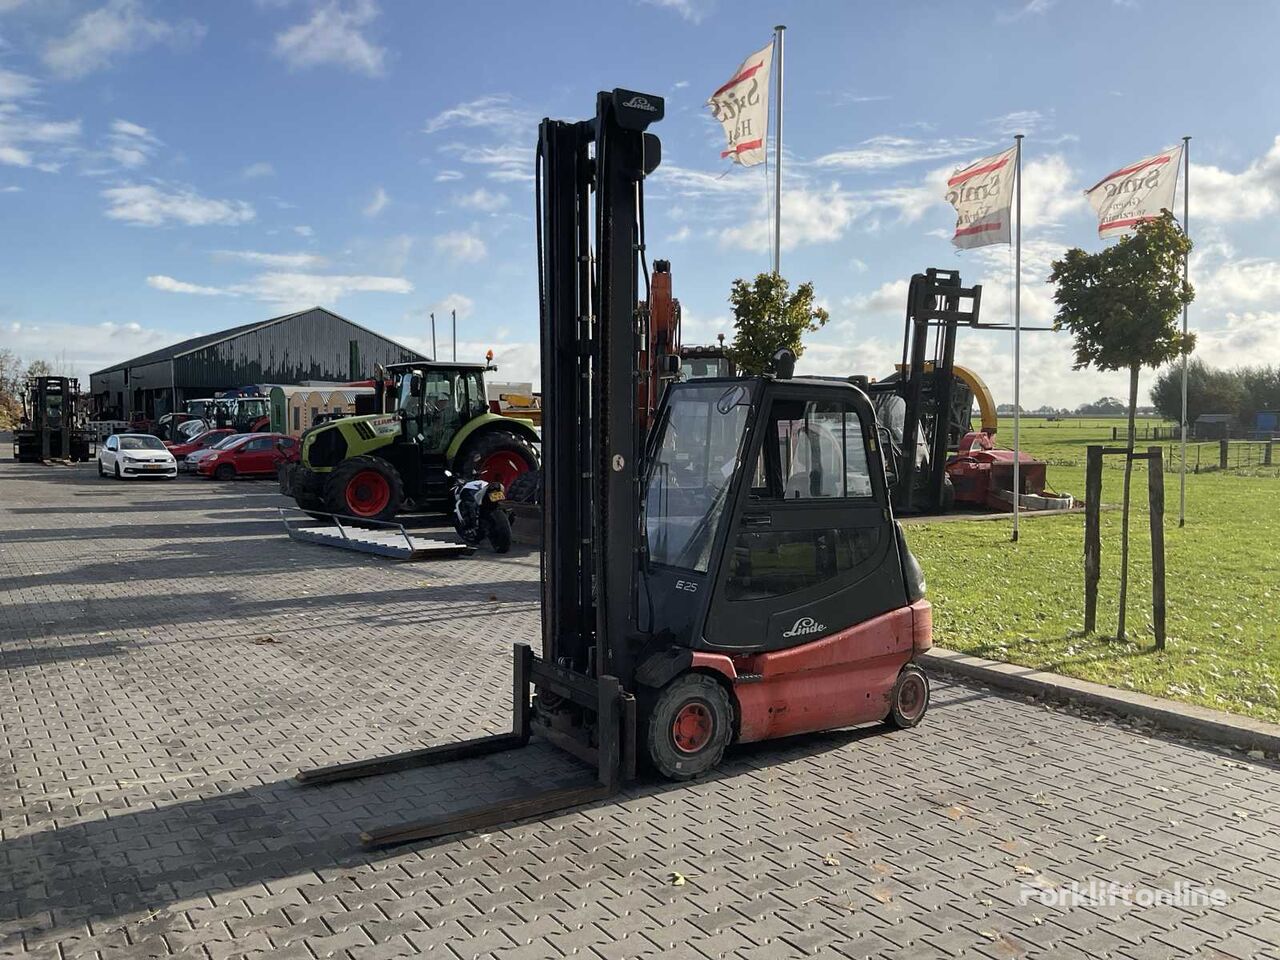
column 1208, row 391
column 766, row 316
column 1122, row 306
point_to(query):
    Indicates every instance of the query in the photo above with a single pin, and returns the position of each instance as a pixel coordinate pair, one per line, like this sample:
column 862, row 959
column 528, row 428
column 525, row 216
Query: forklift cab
column 766, row 516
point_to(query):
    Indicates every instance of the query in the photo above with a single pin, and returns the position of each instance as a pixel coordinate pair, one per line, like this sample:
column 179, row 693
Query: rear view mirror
column 415, row 386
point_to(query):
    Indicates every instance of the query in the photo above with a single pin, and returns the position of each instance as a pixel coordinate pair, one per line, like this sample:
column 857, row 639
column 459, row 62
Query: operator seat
column 816, row 464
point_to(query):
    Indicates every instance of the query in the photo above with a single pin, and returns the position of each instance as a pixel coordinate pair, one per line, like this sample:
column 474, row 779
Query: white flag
column 742, row 107
column 1135, row 193
column 982, row 194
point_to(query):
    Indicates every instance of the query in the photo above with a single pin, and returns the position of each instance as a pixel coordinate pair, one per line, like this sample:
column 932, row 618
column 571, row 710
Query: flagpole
column 777, row 157
column 1186, row 231
column 1017, row 342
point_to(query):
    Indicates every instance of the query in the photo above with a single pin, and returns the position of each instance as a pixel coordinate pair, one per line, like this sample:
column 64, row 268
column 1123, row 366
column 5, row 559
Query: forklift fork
column 613, row 756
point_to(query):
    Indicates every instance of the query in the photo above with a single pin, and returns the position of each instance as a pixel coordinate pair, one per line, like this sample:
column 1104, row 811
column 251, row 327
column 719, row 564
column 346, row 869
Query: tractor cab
column 766, row 515
column 435, row 400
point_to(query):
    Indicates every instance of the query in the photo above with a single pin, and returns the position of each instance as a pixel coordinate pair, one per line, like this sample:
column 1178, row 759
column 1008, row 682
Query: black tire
column 527, row 488
column 335, row 488
column 948, row 494
column 224, row 471
column 491, row 441
column 499, row 530
column 709, row 705
column 101, row 472
column 119, row 476
column 910, row 698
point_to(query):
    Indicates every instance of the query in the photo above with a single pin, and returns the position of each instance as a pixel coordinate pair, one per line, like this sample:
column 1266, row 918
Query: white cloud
column 290, row 261
column 119, row 27
column 454, row 301
column 1018, row 121
column 302, row 289
column 292, row 289
column 462, row 246
column 695, row 11
column 484, row 200
column 888, row 151
column 80, row 349
column 1248, row 339
column 303, row 230
column 1238, row 283
column 170, row 285
column 808, row 216
column 1253, row 193
column 259, row 169
column 130, row 145
column 28, row 139
column 333, row 36
column 16, row 86
column 378, row 203
column 512, row 163
column 10, row 189
column 445, row 176
column 154, row 205
column 14, row 157
column 1050, row 192
column 493, row 112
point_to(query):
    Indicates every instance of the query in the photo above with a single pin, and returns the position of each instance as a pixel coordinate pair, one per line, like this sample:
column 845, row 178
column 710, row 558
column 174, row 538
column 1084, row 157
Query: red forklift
column 733, row 573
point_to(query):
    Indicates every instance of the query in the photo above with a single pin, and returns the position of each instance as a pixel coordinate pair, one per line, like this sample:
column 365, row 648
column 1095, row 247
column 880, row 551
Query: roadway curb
column 1216, row 726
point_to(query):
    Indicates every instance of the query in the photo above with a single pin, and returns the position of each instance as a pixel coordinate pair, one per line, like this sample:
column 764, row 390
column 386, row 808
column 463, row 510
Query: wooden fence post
column 1155, row 493
column 1092, row 536
column 1222, row 454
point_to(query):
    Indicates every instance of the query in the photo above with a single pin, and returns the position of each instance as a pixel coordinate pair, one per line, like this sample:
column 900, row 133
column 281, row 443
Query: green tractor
column 373, row 467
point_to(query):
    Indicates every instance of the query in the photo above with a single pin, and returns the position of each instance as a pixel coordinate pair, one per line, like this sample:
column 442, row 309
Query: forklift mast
column 592, row 338
column 936, row 301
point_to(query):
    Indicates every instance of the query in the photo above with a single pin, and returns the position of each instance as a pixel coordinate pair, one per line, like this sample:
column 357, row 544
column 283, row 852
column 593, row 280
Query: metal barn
column 310, row 345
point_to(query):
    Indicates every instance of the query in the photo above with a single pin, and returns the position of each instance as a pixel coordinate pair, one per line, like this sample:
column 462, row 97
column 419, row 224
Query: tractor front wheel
column 496, row 456
column 689, row 726
column 368, row 488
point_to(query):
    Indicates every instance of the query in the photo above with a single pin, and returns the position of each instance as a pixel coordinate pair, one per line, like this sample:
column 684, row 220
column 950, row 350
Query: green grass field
column 1024, row 602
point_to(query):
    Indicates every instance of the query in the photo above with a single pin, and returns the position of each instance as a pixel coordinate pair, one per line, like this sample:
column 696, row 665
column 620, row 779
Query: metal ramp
column 379, row 538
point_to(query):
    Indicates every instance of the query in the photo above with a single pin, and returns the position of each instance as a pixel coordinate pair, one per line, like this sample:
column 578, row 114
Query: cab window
column 812, row 450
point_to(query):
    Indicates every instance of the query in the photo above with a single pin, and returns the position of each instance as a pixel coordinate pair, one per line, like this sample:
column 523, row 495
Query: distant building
column 310, row 345
column 1214, row 426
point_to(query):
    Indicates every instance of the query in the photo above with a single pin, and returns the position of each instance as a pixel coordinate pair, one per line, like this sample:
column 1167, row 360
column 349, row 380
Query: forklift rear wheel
column 910, row 698
column 690, row 724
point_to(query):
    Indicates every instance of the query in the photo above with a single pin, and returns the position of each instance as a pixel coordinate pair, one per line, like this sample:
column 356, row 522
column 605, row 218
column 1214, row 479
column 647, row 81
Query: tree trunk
column 1124, row 522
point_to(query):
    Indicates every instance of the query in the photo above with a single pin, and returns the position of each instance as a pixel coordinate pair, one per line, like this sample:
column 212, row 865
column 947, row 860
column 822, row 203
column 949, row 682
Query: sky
column 174, row 168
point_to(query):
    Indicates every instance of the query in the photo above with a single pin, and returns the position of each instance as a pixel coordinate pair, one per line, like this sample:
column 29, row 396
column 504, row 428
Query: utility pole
column 777, row 157
column 454, row 313
column 433, row 337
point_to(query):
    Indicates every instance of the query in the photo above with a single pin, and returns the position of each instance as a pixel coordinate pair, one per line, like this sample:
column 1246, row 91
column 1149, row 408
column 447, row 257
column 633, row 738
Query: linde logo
column 641, row 103
column 805, row 626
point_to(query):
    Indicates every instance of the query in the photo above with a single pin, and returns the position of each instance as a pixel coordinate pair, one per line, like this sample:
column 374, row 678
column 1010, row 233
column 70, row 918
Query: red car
column 206, row 439
column 258, row 454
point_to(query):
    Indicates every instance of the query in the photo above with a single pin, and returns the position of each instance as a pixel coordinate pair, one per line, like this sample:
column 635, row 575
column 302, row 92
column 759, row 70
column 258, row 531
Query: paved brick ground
column 168, row 659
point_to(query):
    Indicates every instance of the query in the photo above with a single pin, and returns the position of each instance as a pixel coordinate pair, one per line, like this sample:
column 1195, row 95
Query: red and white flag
column 982, row 194
column 1135, row 193
column 742, row 107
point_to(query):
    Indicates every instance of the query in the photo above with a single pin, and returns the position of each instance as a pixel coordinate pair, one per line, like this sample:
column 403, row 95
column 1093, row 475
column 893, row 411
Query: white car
column 128, row 455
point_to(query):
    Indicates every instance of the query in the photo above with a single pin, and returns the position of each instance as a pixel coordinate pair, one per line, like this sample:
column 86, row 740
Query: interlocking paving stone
column 169, row 659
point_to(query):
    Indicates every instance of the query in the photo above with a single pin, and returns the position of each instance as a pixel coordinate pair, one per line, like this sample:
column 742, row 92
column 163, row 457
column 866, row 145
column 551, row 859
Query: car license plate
column 154, row 466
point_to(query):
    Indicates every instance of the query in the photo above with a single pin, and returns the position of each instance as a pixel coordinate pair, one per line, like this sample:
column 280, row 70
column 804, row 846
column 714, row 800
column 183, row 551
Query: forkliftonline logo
column 805, row 626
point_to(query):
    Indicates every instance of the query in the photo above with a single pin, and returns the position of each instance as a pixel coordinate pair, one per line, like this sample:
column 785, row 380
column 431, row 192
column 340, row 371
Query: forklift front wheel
column 690, row 724
column 910, row 698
